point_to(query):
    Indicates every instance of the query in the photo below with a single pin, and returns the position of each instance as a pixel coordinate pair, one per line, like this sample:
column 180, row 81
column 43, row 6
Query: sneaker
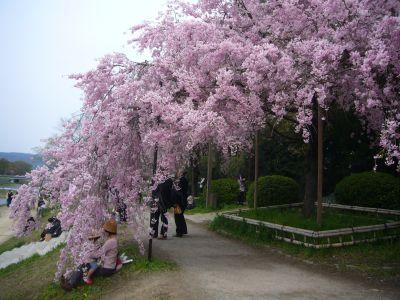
column 162, row 237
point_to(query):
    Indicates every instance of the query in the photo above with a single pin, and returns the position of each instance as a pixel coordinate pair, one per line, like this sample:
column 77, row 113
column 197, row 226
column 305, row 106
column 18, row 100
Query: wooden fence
column 326, row 238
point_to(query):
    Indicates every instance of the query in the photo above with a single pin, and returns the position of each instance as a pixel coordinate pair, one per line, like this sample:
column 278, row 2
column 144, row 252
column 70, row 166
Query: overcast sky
column 41, row 43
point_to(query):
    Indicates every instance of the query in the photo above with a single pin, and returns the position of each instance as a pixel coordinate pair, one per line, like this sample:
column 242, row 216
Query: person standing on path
column 242, row 190
column 164, row 195
column 9, row 198
column 181, row 194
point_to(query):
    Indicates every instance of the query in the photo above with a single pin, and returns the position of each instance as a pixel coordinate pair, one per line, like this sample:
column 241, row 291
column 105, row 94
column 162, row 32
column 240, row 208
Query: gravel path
column 215, row 267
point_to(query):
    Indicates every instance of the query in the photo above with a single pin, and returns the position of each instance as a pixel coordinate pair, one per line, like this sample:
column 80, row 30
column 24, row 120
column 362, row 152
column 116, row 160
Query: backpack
column 72, row 282
column 74, row 279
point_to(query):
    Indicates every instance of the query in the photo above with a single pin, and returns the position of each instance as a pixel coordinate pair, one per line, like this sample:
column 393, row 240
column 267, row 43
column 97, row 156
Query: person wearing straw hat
column 109, row 251
column 93, row 256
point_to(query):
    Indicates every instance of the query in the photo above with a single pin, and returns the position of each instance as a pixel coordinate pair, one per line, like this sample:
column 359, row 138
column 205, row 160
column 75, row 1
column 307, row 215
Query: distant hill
column 34, row 159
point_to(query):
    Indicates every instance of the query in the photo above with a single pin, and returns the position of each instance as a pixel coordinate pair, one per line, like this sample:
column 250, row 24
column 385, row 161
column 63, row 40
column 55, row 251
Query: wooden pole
column 209, row 174
column 320, row 166
column 192, row 181
column 256, row 161
column 150, row 251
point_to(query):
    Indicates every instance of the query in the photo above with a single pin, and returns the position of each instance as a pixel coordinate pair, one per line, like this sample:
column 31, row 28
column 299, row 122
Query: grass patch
column 14, row 242
column 103, row 285
column 25, row 279
column 202, row 209
column 378, row 260
column 332, row 218
column 34, row 276
column 4, row 193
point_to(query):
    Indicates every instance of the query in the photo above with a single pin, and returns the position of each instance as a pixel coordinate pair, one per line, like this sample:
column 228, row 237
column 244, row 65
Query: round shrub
column 371, row 189
column 225, row 189
column 274, row 190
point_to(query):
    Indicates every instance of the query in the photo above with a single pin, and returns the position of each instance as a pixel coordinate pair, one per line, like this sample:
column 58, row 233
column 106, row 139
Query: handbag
column 177, row 210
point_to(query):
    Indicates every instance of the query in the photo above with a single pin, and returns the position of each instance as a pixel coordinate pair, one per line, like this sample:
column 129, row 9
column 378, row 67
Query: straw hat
column 110, row 226
column 94, row 235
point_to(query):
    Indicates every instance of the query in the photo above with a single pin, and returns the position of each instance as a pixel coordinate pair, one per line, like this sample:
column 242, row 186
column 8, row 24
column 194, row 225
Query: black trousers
column 100, row 271
column 181, row 227
column 241, row 197
column 155, row 220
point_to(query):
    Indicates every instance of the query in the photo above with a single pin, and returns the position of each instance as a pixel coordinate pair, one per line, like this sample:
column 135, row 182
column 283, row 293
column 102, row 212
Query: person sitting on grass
column 94, row 248
column 53, row 229
column 108, row 253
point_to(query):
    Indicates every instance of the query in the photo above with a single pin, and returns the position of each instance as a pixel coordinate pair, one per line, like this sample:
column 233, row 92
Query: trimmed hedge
column 274, row 190
column 225, row 189
column 371, row 189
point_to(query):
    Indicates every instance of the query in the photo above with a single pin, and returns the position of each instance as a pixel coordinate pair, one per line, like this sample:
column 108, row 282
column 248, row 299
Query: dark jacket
column 164, row 194
column 184, row 187
column 182, row 194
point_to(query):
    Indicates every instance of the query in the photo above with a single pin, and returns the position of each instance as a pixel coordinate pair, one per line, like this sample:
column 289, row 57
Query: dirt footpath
column 215, row 267
column 5, row 224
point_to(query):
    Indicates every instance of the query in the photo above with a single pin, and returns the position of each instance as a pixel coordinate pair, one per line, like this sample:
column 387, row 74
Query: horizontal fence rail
column 363, row 209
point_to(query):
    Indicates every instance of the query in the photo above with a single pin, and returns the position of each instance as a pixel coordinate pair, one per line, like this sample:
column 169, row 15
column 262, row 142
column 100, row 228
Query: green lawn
column 201, row 208
column 332, row 219
column 33, row 278
column 3, row 193
column 377, row 260
column 15, row 242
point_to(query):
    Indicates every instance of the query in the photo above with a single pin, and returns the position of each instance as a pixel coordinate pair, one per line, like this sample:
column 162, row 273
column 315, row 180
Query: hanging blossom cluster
column 219, row 70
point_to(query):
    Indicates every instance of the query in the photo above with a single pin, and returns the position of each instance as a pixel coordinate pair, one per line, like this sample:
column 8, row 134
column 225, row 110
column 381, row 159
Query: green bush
column 274, row 190
column 225, row 189
column 371, row 189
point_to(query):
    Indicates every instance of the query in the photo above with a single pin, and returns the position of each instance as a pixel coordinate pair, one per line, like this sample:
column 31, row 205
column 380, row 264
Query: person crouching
column 93, row 256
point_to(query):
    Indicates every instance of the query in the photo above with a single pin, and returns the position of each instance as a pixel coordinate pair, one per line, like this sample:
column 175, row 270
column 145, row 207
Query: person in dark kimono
column 163, row 194
column 180, row 194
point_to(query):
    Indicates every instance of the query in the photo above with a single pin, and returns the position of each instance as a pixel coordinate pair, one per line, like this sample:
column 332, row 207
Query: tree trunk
column 196, row 176
column 320, row 166
column 192, row 178
column 150, row 250
column 256, row 161
column 310, row 190
column 155, row 154
column 209, row 174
